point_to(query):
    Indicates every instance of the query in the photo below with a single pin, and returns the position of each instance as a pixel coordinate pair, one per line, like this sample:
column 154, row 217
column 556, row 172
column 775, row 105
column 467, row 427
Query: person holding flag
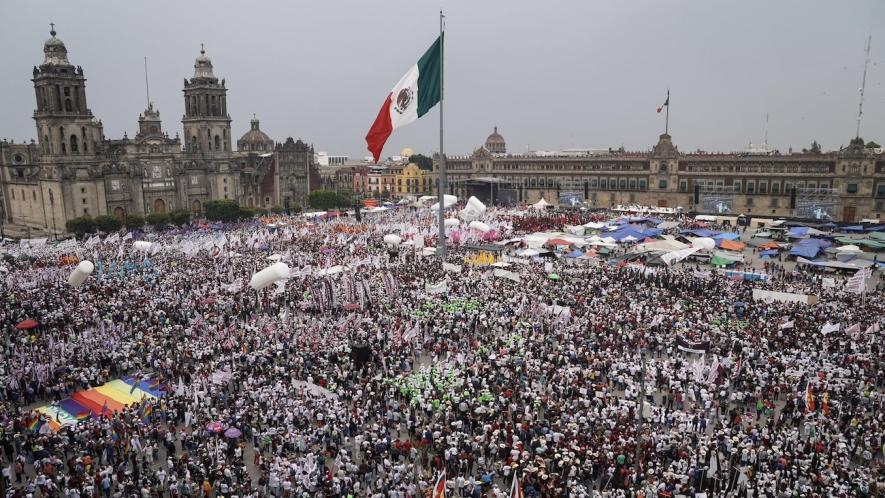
column 516, row 488
column 439, row 488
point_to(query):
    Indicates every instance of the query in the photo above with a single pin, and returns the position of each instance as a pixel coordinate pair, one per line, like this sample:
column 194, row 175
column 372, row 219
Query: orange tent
column 732, row 245
column 770, row 245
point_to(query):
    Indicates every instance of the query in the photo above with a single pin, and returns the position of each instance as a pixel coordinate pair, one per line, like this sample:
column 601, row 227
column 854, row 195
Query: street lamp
column 52, row 208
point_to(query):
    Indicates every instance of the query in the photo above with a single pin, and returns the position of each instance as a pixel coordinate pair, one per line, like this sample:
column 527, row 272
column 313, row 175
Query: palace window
column 776, row 187
column 763, row 187
column 662, row 184
column 751, row 187
column 851, row 188
column 880, row 190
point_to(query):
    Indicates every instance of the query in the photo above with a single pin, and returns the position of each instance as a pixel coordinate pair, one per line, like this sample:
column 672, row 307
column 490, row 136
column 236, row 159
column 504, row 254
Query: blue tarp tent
column 876, row 228
column 574, row 254
column 853, row 228
column 726, row 236
column 809, row 248
column 624, row 232
column 798, row 232
column 769, row 252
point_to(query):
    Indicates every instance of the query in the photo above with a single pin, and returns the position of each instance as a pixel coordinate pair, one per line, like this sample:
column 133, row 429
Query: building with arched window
column 73, row 170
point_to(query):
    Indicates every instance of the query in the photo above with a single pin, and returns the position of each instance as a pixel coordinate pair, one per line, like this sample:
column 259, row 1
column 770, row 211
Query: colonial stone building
column 73, row 170
column 848, row 185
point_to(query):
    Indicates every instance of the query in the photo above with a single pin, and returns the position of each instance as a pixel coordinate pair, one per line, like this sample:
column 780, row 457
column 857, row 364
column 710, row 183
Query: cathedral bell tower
column 206, row 122
column 65, row 125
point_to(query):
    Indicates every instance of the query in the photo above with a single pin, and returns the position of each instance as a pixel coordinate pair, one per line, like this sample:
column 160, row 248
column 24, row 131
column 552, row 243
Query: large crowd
column 377, row 377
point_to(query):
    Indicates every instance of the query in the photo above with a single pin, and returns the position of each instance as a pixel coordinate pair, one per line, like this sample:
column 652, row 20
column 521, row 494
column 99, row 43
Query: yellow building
column 412, row 180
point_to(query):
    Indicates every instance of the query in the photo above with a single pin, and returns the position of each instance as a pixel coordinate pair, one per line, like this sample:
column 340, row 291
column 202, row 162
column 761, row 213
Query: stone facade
column 73, row 170
column 848, row 185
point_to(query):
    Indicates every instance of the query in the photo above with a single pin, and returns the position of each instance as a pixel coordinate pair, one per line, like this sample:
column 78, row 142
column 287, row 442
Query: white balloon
column 392, row 239
column 704, row 243
column 478, row 225
column 80, row 273
column 473, row 209
column 142, row 245
column 269, row 275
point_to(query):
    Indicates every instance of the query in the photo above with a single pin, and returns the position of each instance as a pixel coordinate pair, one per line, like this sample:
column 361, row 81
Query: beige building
column 73, row 170
column 848, row 185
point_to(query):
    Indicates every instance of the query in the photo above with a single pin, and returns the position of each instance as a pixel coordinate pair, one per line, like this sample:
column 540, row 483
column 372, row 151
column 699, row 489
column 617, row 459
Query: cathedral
column 73, row 170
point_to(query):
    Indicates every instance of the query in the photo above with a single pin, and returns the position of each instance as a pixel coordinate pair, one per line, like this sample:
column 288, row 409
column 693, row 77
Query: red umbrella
column 26, row 324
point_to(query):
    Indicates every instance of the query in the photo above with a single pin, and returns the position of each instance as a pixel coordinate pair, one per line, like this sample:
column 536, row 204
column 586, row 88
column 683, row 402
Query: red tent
column 26, row 324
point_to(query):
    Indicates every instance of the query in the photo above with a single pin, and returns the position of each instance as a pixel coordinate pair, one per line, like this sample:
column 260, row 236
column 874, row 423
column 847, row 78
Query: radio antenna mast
column 863, row 85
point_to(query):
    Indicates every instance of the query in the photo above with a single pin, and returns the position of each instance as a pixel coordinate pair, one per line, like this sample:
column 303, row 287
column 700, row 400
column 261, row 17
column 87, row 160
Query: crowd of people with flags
column 373, row 369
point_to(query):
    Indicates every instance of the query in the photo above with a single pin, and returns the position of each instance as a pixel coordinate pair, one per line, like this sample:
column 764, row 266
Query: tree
column 222, row 210
column 276, row 209
column 423, row 162
column 327, row 199
column 108, row 223
column 295, row 207
column 815, row 148
column 133, row 221
column 179, row 217
column 856, row 142
column 80, row 226
column 873, row 145
column 157, row 219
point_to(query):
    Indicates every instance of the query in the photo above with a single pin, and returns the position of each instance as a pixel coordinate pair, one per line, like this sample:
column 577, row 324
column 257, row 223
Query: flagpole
column 441, row 243
column 667, row 119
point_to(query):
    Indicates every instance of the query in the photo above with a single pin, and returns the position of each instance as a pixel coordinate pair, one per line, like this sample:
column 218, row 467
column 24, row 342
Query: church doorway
column 159, row 206
column 196, row 207
column 119, row 213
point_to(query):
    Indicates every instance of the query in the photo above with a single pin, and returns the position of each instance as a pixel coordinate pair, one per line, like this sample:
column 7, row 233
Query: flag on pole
column 439, row 489
column 787, row 325
column 666, row 102
column 413, row 95
column 872, row 329
column 516, row 489
column 809, row 399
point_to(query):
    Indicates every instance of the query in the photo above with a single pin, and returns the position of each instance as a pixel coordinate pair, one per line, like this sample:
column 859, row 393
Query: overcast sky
column 551, row 74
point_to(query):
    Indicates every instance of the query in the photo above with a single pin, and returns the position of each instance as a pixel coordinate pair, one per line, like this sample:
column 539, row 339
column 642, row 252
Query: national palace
column 848, row 185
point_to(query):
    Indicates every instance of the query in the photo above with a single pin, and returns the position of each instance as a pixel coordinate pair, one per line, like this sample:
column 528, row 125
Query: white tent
column 542, row 204
column 849, row 248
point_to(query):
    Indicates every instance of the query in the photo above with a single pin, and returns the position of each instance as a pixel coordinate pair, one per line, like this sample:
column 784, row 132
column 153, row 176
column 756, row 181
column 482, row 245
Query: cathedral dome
column 495, row 143
column 203, row 65
column 255, row 139
column 54, row 50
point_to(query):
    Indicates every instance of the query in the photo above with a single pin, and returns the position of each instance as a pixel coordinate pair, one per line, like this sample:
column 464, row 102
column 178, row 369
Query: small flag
column 84, row 415
column 104, row 408
column 666, row 102
column 809, row 399
column 439, row 489
column 516, row 489
column 830, row 327
column 147, row 410
column 825, row 404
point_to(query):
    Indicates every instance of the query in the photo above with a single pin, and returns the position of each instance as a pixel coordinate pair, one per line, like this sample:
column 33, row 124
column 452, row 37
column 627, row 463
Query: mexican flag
column 415, row 94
